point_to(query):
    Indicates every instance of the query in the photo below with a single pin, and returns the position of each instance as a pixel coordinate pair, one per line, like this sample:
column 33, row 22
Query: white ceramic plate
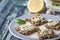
column 13, row 25
column 49, row 5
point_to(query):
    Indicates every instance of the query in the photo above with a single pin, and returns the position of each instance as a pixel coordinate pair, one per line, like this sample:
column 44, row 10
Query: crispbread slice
column 37, row 20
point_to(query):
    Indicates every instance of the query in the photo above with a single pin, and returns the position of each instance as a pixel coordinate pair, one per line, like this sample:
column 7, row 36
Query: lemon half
column 35, row 6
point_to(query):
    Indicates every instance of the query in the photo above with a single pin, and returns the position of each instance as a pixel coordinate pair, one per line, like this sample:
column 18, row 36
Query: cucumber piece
column 55, row 4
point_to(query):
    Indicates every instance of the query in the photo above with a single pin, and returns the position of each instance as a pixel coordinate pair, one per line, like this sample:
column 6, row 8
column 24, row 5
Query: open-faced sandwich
column 37, row 20
column 53, row 25
column 46, row 34
column 55, row 2
column 27, row 29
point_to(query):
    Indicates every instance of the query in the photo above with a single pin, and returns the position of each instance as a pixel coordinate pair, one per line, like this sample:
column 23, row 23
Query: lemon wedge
column 35, row 6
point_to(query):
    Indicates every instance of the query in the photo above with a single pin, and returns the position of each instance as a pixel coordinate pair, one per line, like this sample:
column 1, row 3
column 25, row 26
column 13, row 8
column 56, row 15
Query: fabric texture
column 8, row 12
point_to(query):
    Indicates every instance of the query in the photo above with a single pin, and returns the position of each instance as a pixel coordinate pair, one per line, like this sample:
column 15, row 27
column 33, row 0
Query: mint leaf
column 20, row 21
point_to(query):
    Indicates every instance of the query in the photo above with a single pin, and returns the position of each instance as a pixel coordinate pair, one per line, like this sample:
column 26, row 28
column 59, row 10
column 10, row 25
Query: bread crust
column 57, row 27
column 26, row 32
column 36, row 23
column 48, row 36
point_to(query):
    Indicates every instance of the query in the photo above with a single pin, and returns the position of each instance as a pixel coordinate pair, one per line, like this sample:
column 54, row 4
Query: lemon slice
column 35, row 6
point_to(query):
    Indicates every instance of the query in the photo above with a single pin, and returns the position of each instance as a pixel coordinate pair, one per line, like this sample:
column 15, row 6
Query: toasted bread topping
column 37, row 18
column 45, row 32
column 53, row 23
column 26, row 27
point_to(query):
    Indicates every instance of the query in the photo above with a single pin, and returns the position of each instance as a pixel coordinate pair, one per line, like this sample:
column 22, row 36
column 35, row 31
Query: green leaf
column 55, row 4
column 20, row 21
